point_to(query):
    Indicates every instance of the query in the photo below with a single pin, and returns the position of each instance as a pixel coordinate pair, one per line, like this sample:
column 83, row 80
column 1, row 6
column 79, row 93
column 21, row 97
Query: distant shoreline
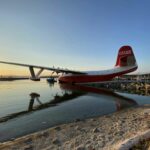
column 12, row 78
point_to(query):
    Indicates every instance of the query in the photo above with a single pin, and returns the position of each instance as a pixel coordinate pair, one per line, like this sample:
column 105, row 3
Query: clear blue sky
column 74, row 34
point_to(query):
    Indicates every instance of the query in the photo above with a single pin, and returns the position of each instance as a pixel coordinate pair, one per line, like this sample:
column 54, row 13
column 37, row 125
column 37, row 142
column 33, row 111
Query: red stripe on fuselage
column 92, row 78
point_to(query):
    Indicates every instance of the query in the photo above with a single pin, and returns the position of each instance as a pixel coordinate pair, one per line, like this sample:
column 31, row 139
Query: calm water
column 50, row 105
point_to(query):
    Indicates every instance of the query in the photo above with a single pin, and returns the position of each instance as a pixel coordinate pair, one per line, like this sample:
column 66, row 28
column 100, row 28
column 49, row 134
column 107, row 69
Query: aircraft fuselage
column 96, row 76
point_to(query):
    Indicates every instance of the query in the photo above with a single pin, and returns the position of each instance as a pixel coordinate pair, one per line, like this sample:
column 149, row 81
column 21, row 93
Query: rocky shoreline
column 141, row 88
column 110, row 132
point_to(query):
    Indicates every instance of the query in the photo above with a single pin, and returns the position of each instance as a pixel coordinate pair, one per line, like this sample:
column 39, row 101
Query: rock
column 67, row 143
column 28, row 148
column 101, row 137
column 71, row 125
column 57, row 128
column 28, row 141
column 147, row 112
column 12, row 139
column 77, row 128
column 95, row 130
column 56, row 141
column 45, row 134
column 77, row 120
column 93, row 119
column 94, row 138
column 101, row 144
column 89, row 147
column 88, row 142
column 81, row 147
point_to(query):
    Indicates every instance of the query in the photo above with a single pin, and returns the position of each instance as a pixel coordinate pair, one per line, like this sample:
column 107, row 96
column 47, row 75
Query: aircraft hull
column 91, row 78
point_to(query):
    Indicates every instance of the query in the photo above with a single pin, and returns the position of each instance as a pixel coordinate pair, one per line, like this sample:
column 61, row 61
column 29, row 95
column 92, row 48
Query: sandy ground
column 115, row 131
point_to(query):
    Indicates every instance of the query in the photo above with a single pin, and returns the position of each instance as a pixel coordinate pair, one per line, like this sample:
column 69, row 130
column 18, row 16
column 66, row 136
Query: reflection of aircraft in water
column 66, row 96
column 121, row 101
column 71, row 92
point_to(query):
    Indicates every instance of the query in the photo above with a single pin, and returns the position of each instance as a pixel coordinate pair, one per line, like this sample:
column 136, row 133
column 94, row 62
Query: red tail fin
column 125, row 57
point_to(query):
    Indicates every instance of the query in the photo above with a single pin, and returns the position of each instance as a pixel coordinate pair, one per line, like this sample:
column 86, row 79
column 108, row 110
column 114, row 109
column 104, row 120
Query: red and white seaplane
column 126, row 63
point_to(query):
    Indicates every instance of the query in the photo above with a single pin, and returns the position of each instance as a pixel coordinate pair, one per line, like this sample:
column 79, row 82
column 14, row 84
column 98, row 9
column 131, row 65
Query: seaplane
column 126, row 63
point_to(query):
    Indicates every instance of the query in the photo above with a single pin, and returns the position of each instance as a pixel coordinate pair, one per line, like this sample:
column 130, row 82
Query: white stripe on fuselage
column 105, row 72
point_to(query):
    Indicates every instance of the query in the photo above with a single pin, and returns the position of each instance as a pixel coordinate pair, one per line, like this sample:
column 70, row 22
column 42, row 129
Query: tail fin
column 125, row 57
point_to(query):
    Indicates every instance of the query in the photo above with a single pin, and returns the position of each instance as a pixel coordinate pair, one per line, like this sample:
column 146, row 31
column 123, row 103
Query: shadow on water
column 70, row 92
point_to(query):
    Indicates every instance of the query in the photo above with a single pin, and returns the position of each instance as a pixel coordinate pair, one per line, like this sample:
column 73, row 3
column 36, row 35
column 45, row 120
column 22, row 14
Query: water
column 50, row 105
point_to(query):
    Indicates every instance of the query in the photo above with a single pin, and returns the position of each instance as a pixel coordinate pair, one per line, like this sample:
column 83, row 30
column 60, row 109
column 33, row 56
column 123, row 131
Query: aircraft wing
column 57, row 70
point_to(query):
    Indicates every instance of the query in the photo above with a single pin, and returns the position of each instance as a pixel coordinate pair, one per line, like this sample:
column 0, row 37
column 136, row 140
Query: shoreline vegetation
column 13, row 78
column 116, row 131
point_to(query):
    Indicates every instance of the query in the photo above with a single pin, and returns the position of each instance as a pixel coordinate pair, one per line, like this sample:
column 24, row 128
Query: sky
column 73, row 34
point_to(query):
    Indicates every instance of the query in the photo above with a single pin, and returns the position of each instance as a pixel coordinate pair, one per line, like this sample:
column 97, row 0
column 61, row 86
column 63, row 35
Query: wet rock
column 45, row 134
column 12, row 139
column 28, row 141
column 57, row 128
column 71, row 125
column 40, row 135
column 77, row 120
column 93, row 119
